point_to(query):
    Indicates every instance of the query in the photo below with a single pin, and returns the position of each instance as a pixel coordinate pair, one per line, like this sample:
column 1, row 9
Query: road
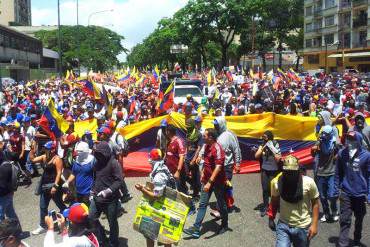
column 248, row 228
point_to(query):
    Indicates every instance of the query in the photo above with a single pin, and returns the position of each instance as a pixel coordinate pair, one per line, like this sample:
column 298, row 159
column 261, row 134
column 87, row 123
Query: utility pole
column 78, row 41
column 59, row 43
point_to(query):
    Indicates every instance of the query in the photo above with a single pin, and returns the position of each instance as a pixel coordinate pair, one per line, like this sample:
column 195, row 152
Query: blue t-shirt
column 84, row 176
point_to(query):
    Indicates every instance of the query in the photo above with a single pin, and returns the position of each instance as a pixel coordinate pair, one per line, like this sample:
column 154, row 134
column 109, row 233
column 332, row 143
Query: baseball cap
column 155, row 154
column 83, row 147
column 290, row 163
column 50, row 145
column 164, row 123
column 104, row 130
column 77, row 213
column 27, row 119
column 198, row 119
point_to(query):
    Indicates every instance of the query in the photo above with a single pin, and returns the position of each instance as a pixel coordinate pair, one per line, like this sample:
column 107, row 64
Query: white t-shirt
column 82, row 241
column 28, row 137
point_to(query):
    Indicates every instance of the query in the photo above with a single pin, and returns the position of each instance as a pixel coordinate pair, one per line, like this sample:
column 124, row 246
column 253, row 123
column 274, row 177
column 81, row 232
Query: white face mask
column 81, row 157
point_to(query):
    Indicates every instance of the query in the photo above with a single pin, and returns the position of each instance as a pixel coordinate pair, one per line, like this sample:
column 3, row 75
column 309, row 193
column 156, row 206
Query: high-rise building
column 15, row 12
column 337, row 35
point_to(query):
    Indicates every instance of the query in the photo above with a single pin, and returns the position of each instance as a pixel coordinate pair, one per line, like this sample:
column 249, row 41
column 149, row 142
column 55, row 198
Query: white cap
column 82, row 147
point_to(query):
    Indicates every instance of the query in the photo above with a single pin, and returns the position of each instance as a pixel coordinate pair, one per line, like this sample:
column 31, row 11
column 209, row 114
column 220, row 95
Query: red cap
column 155, row 154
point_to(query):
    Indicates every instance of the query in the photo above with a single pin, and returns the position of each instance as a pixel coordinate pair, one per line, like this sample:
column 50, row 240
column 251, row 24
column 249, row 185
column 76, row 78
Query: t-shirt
column 28, row 138
column 268, row 158
column 175, row 148
column 297, row 214
column 84, row 176
column 214, row 156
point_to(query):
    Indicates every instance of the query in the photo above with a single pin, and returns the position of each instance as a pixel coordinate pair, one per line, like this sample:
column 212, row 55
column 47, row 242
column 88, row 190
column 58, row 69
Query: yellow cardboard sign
column 162, row 219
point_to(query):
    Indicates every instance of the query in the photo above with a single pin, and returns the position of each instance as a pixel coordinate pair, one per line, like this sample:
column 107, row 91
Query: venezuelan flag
column 52, row 122
column 90, row 89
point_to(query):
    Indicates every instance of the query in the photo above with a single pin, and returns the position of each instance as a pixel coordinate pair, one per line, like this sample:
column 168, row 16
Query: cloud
column 134, row 19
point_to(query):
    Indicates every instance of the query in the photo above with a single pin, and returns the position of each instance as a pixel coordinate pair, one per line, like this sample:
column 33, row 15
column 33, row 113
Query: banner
column 295, row 135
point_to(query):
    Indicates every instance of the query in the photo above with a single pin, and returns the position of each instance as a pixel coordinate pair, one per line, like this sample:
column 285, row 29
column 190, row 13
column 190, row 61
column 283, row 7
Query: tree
column 295, row 43
column 96, row 47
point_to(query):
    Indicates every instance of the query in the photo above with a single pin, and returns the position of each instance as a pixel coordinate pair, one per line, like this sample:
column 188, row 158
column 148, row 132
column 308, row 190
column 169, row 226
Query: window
column 329, row 39
column 309, row 27
column 308, row 43
column 329, row 3
column 318, row 24
column 329, row 20
column 309, row 11
column 313, row 59
column 317, row 42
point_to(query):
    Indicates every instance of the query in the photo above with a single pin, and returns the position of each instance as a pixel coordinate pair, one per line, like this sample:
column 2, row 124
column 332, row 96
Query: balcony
column 317, row 12
column 358, row 3
column 360, row 44
column 345, row 4
column 344, row 25
column 359, row 22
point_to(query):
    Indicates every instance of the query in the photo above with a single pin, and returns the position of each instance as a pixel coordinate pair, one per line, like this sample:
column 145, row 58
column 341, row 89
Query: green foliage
column 209, row 29
column 96, row 47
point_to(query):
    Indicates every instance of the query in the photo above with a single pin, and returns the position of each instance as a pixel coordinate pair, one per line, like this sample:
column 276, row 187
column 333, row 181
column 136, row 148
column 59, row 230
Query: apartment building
column 15, row 12
column 337, row 35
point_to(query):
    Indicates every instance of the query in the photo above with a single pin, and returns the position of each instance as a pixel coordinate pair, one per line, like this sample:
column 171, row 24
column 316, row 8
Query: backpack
column 13, row 185
column 125, row 147
column 171, row 182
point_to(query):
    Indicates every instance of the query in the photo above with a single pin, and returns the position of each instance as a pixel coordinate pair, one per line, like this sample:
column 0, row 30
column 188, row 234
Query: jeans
column 181, row 182
column 266, row 177
column 7, row 207
column 349, row 205
column 229, row 170
column 194, row 180
column 287, row 235
column 219, row 191
column 45, row 198
column 326, row 187
column 111, row 210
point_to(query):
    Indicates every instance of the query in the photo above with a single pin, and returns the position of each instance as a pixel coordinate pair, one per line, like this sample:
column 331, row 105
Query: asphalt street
column 248, row 228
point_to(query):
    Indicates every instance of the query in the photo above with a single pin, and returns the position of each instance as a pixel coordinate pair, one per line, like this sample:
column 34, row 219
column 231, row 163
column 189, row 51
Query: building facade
column 337, row 35
column 22, row 57
column 15, row 12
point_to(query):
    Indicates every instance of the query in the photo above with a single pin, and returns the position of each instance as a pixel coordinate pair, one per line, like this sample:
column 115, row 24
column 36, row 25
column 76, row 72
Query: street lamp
column 59, row 43
column 326, row 53
column 254, row 20
column 98, row 12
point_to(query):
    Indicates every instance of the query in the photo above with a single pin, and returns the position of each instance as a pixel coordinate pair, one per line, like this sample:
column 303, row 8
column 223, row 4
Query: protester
column 269, row 156
column 82, row 173
column 79, row 233
column 193, row 146
column 175, row 157
column 297, row 196
column 325, row 152
column 353, row 179
column 105, row 193
column 213, row 180
column 49, row 186
column 362, row 128
column 161, row 141
column 8, row 182
column 160, row 177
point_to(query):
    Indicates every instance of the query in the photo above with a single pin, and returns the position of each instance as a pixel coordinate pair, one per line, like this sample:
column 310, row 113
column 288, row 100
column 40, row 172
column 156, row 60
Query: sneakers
column 192, row 231
column 323, row 219
column 336, row 218
column 263, row 212
column 38, row 231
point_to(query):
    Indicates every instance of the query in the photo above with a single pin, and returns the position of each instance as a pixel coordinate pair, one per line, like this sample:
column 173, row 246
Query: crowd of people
column 84, row 176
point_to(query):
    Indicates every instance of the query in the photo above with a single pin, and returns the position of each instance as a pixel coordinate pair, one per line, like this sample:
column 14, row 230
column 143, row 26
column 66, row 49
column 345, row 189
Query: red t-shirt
column 175, row 148
column 213, row 155
column 15, row 141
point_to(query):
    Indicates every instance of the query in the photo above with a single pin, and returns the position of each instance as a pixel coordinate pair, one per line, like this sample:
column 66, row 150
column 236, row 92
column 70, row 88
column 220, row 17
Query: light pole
column 254, row 20
column 98, row 12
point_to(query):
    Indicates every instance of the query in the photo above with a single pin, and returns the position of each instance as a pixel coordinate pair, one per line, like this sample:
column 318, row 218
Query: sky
column 134, row 19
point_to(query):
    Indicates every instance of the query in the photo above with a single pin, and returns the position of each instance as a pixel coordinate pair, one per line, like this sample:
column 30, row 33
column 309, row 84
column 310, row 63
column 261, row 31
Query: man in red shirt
column 213, row 180
column 175, row 156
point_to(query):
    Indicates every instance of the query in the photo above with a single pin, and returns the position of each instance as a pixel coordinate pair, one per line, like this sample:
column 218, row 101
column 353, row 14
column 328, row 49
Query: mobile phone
column 53, row 215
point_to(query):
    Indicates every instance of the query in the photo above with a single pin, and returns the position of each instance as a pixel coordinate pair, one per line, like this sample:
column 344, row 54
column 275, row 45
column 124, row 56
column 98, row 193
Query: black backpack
column 13, row 184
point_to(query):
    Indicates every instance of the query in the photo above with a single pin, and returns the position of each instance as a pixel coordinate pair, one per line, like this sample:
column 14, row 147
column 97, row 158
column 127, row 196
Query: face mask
column 352, row 145
column 81, row 157
column 360, row 123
